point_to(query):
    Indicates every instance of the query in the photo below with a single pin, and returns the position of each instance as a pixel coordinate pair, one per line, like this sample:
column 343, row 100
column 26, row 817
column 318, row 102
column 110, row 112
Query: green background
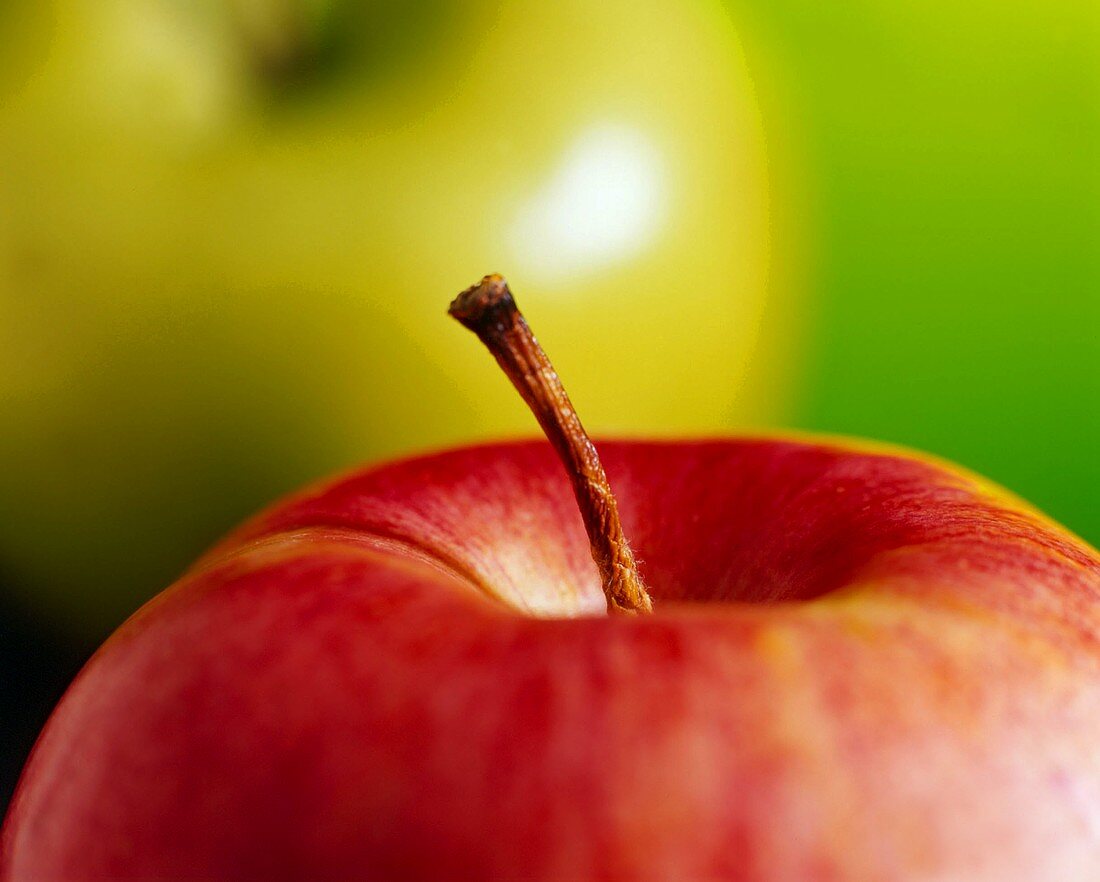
column 953, row 164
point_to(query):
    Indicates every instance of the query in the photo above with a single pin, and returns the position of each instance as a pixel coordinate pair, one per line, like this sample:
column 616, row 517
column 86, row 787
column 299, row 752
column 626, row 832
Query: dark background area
column 37, row 664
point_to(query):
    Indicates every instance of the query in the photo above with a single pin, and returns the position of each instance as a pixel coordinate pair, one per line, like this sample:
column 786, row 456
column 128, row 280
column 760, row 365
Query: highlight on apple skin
column 861, row 664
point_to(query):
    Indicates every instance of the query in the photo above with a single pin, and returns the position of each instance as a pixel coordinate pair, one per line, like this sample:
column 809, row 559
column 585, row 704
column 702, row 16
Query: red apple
column 861, row 665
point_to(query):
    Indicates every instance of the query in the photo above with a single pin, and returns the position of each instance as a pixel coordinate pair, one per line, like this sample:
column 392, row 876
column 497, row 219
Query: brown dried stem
column 489, row 310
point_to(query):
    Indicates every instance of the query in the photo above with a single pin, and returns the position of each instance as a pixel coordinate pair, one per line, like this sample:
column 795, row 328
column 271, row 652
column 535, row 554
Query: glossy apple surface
column 861, row 665
column 200, row 244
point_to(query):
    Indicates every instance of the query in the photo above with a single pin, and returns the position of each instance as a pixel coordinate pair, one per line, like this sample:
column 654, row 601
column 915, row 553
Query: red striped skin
column 862, row 666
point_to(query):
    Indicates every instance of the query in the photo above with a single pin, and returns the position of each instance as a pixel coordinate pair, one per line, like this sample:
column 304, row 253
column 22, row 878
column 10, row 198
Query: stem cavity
column 489, row 310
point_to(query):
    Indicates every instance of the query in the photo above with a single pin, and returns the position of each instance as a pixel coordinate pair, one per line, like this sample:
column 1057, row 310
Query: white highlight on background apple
column 602, row 204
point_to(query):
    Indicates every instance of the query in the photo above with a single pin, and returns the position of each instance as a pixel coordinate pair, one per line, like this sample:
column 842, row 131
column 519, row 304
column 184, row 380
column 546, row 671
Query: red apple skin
column 863, row 665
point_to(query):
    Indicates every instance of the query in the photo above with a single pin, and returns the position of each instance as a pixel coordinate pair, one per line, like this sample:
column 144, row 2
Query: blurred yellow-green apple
column 228, row 221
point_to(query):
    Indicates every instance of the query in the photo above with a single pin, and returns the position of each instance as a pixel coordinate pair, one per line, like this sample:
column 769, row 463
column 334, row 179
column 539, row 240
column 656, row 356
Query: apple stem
column 489, row 310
